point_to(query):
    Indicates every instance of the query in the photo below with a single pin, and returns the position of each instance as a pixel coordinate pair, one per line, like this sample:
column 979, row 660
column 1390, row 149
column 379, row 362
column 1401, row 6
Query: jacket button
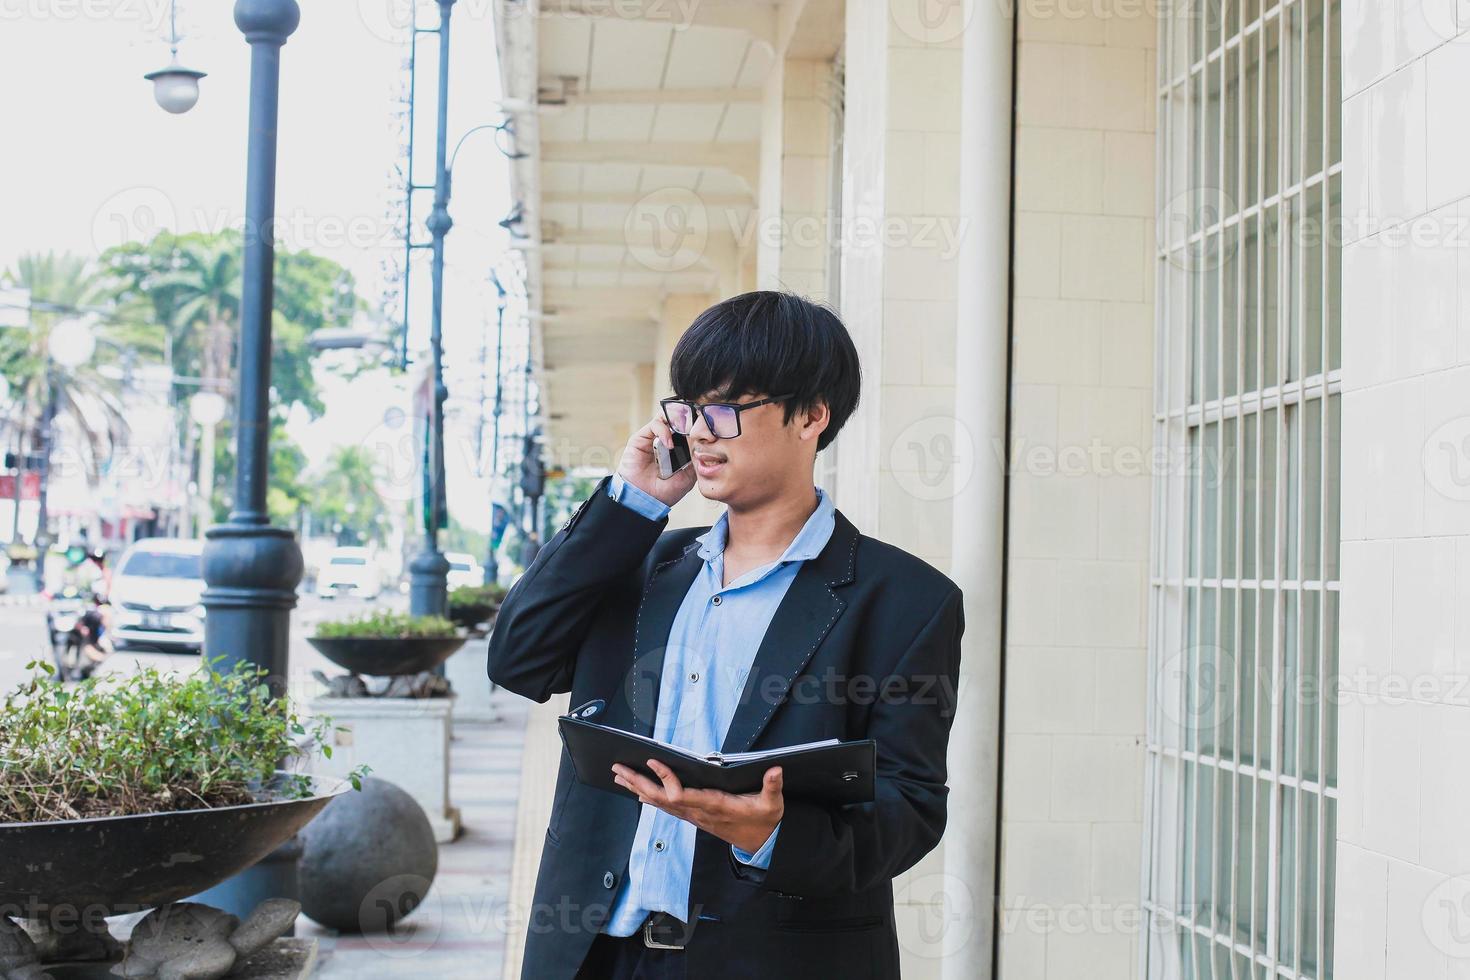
column 609, row 879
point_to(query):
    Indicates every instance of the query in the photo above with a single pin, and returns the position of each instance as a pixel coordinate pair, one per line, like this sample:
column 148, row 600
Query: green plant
column 470, row 605
column 393, row 625
column 147, row 742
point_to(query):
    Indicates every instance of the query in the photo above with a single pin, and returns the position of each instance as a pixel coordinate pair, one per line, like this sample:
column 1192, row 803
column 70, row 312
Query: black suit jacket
column 865, row 644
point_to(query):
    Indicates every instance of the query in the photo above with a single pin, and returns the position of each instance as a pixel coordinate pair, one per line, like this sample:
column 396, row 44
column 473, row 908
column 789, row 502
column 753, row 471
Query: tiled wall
column 1079, row 508
column 1403, row 850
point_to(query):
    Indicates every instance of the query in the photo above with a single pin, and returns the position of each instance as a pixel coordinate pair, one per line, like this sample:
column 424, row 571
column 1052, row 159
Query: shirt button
column 659, row 845
column 716, row 600
column 609, row 879
column 694, row 677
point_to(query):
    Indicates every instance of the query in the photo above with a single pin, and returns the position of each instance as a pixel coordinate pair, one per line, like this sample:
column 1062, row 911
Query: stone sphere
column 367, row 860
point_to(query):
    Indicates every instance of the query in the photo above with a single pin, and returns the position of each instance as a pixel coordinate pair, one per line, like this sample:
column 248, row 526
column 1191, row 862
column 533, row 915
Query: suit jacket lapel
column 666, row 588
column 804, row 617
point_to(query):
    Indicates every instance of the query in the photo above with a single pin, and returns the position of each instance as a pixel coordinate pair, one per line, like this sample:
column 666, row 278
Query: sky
column 90, row 160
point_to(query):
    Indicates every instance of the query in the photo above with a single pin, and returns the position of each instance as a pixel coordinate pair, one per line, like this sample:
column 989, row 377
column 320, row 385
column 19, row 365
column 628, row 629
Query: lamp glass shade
column 72, row 341
column 207, row 407
column 175, row 89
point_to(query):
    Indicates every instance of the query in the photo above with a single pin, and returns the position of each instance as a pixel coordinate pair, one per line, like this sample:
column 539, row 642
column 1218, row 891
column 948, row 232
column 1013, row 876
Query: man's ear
column 815, row 420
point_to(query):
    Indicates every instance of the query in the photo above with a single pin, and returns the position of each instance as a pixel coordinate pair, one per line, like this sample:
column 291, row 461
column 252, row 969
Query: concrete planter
column 468, row 676
column 404, row 740
column 121, row 864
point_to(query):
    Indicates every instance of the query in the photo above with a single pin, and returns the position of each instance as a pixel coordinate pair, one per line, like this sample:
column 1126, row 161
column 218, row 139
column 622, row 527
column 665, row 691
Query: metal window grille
column 1240, row 815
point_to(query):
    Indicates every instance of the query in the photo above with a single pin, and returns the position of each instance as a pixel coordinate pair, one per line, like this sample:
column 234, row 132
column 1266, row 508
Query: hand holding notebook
column 830, row 772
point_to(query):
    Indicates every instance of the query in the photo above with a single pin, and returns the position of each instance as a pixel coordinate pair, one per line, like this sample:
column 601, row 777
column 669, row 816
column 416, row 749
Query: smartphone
column 671, row 461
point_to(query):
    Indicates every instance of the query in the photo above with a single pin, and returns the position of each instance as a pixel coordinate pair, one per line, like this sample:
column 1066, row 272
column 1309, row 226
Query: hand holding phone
column 672, row 460
column 657, row 461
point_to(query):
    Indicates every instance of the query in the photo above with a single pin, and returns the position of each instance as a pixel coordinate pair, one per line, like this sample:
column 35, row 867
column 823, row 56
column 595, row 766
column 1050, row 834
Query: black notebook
column 830, row 772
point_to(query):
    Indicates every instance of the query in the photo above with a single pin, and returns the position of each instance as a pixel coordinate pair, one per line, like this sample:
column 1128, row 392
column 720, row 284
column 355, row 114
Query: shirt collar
column 808, row 543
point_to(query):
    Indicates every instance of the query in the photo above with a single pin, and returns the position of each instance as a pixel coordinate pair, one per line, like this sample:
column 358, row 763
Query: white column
column 981, row 385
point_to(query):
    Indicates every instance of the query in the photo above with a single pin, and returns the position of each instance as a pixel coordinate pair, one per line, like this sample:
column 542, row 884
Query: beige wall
column 1403, row 852
column 1072, row 792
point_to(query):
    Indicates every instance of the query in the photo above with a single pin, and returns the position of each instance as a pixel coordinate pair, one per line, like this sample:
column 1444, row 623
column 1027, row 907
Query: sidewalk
column 460, row 931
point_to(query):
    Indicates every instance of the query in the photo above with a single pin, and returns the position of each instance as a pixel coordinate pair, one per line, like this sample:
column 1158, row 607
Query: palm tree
column 346, row 494
column 64, row 287
column 204, row 284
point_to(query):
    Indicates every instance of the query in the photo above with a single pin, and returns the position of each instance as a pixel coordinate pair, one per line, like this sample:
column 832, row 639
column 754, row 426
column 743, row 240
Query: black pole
column 251, row 569
column 43, row 517
column 492, row 566
column 429, row 570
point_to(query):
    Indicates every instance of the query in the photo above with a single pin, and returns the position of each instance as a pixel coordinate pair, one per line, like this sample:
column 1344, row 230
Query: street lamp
column 429, row 569
column 252, row 569
column 492, row 564
column 207, row 410
column 175, row 88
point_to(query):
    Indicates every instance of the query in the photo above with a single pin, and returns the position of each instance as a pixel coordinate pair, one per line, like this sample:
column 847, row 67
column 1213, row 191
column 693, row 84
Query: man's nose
column 700, row 431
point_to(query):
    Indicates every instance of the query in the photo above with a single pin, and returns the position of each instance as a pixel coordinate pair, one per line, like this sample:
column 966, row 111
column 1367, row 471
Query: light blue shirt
column 712, row 645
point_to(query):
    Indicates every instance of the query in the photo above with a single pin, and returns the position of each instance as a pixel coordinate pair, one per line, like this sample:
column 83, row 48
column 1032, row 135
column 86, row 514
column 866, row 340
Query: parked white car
column 155, row 595
column 350, row 571
column 464, row 570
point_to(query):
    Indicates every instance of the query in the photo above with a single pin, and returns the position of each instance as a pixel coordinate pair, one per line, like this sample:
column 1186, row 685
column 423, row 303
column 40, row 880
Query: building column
column 982, row 346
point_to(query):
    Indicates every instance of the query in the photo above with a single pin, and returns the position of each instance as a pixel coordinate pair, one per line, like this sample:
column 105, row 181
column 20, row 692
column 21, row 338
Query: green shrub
column 467, row 595
column 146, row 742
column 393, row 625
column 470, row 605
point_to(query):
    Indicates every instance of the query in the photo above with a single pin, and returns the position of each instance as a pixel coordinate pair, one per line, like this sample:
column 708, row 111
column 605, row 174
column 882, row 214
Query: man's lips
column 706, row 463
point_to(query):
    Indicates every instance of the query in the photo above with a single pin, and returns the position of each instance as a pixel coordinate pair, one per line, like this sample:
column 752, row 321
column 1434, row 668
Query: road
column 23, row 638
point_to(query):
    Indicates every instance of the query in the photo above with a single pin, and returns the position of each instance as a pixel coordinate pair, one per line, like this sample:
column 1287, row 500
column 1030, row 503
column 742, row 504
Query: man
column 779, row 625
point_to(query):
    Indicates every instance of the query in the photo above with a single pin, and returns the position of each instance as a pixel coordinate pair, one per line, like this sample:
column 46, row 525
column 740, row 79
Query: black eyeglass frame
column 736, row 407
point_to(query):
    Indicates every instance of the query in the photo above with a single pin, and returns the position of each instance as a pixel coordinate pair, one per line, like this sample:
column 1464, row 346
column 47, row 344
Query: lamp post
column 69, row 344
column 251, row 569
column 207, row 409
column 429, row 570
column 492, row 564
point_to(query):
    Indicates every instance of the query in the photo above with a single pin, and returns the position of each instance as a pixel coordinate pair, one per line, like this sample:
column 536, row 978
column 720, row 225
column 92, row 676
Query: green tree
column 65, row 287
column 191, row 283
column 286, row 493
column 345, row 495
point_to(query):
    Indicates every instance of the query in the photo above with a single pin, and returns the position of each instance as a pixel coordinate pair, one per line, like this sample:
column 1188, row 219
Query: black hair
column 770, row 343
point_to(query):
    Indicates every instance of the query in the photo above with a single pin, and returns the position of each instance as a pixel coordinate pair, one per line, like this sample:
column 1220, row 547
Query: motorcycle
column 65, row 616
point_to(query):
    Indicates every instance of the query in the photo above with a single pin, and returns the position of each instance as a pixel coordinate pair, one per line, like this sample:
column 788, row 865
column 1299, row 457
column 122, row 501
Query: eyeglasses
column 721, row 418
